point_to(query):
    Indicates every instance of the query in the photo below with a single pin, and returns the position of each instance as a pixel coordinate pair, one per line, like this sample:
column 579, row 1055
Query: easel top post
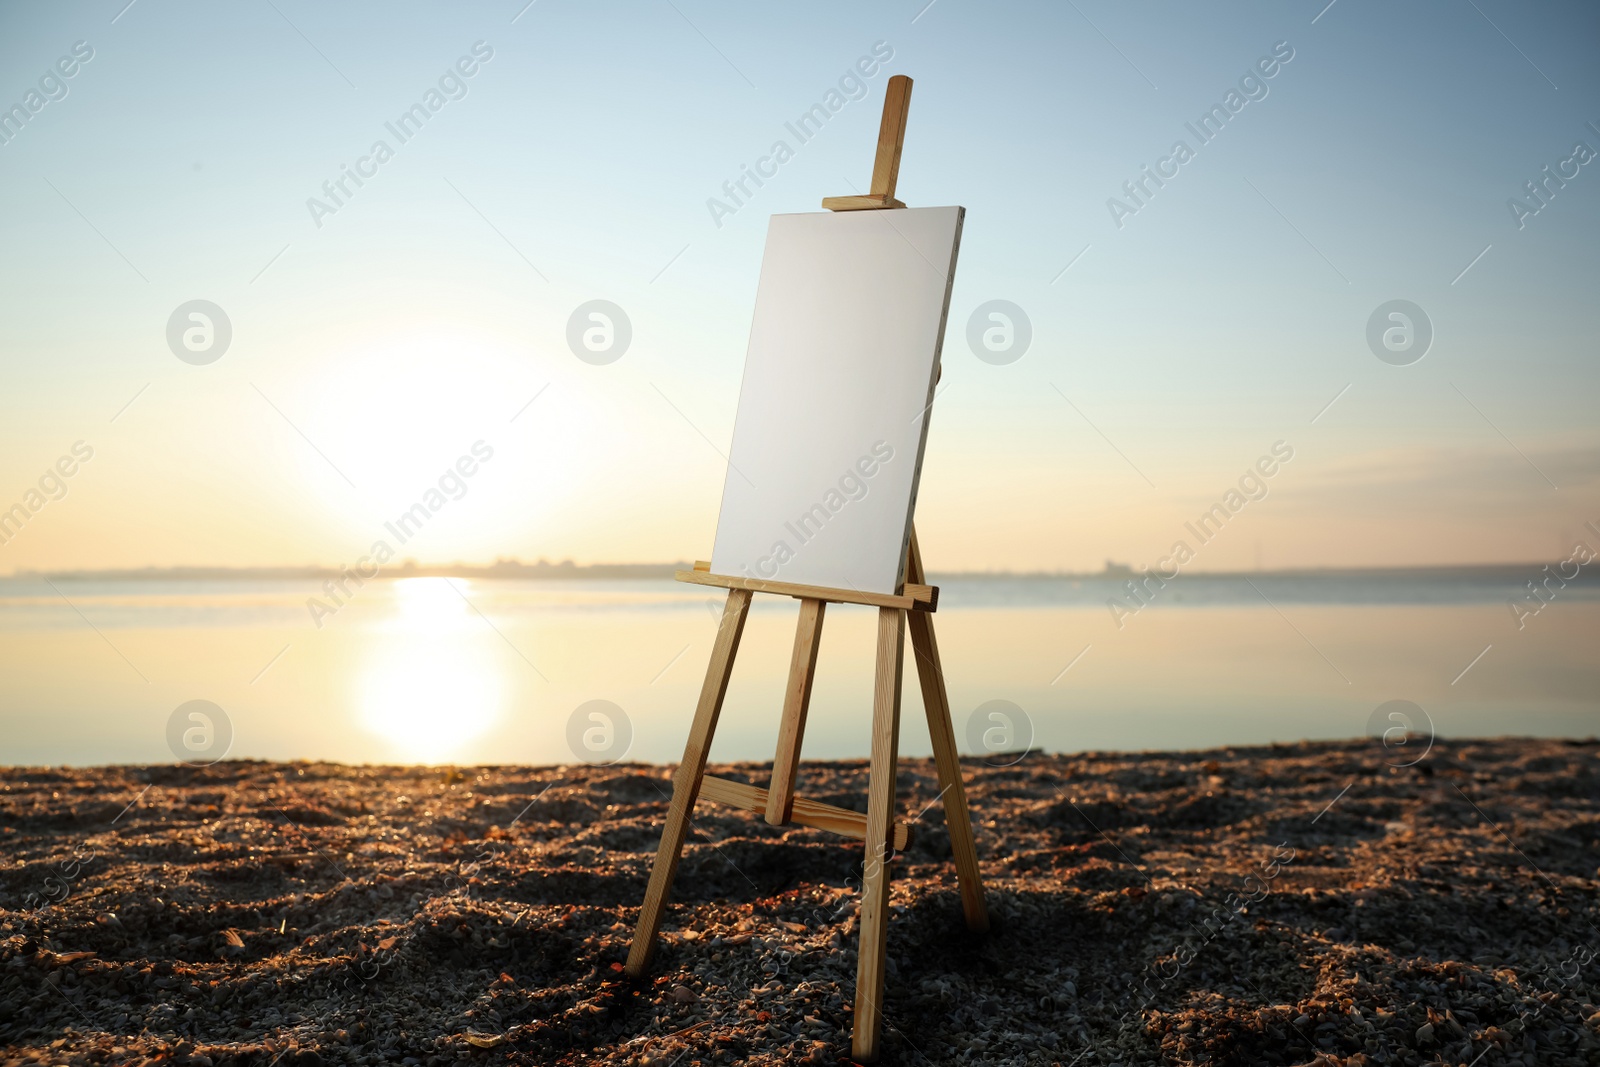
column 891, row 137
column 886, row 165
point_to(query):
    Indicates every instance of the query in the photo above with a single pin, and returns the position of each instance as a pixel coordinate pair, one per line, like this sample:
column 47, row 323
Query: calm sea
column 497, row 671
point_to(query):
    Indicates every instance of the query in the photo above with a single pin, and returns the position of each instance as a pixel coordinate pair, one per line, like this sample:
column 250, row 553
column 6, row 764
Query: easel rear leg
column 796, row 699
column 936, row 701
column 686, row 782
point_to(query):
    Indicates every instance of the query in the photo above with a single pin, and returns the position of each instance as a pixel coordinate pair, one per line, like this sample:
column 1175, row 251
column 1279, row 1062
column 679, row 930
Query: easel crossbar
column 811, row 813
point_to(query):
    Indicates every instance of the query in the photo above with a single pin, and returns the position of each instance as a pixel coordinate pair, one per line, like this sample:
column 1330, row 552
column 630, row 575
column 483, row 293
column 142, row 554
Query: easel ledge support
column 914, row 597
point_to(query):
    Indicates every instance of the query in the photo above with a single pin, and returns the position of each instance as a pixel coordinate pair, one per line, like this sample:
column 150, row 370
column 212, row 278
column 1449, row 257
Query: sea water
column 455, row 670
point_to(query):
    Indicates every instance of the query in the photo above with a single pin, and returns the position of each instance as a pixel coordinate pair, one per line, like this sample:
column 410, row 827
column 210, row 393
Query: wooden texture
column 813, row 813
column 936, row 701
column 880, row 813
column 859, row 203
column 891, row 137
column 686, row 782
column 886, row 161
column 918, row 597
column 796, row 701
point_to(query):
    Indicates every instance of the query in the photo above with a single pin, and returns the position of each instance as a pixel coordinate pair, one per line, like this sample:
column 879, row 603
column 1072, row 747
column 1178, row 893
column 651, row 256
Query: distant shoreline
column 544, row 570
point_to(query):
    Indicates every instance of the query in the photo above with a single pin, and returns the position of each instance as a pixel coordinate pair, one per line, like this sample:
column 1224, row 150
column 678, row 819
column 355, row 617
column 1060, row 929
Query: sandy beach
column 1311, row 903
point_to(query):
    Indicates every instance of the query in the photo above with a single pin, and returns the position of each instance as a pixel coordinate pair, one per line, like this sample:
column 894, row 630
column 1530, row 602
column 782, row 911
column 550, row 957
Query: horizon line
column 569, row 568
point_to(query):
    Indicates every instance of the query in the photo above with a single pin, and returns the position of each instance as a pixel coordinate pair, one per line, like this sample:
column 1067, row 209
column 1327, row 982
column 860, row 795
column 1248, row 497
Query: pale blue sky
column 1221, row 318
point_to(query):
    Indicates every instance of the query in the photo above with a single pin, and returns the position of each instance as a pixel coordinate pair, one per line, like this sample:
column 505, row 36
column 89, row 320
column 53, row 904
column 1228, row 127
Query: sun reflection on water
column 431, row 687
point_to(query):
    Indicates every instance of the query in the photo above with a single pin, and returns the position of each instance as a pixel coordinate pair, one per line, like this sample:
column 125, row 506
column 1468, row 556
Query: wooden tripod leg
column 936, row 701
column 686, row 782
column 880, row 812
column 796, row 699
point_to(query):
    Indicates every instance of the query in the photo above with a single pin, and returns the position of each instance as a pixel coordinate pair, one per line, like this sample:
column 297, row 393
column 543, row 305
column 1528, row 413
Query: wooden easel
column 882, row 831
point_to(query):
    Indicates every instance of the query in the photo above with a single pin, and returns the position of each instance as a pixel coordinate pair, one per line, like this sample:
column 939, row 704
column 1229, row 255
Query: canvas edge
column 927, row 410
column 728, row 469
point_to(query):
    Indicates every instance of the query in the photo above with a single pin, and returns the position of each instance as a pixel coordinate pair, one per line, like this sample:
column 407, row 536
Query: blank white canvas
column 839, row 377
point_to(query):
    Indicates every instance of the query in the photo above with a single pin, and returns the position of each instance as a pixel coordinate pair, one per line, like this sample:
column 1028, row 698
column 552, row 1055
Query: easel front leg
column 936, row 702
column 686, row 782
column 880, row 813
